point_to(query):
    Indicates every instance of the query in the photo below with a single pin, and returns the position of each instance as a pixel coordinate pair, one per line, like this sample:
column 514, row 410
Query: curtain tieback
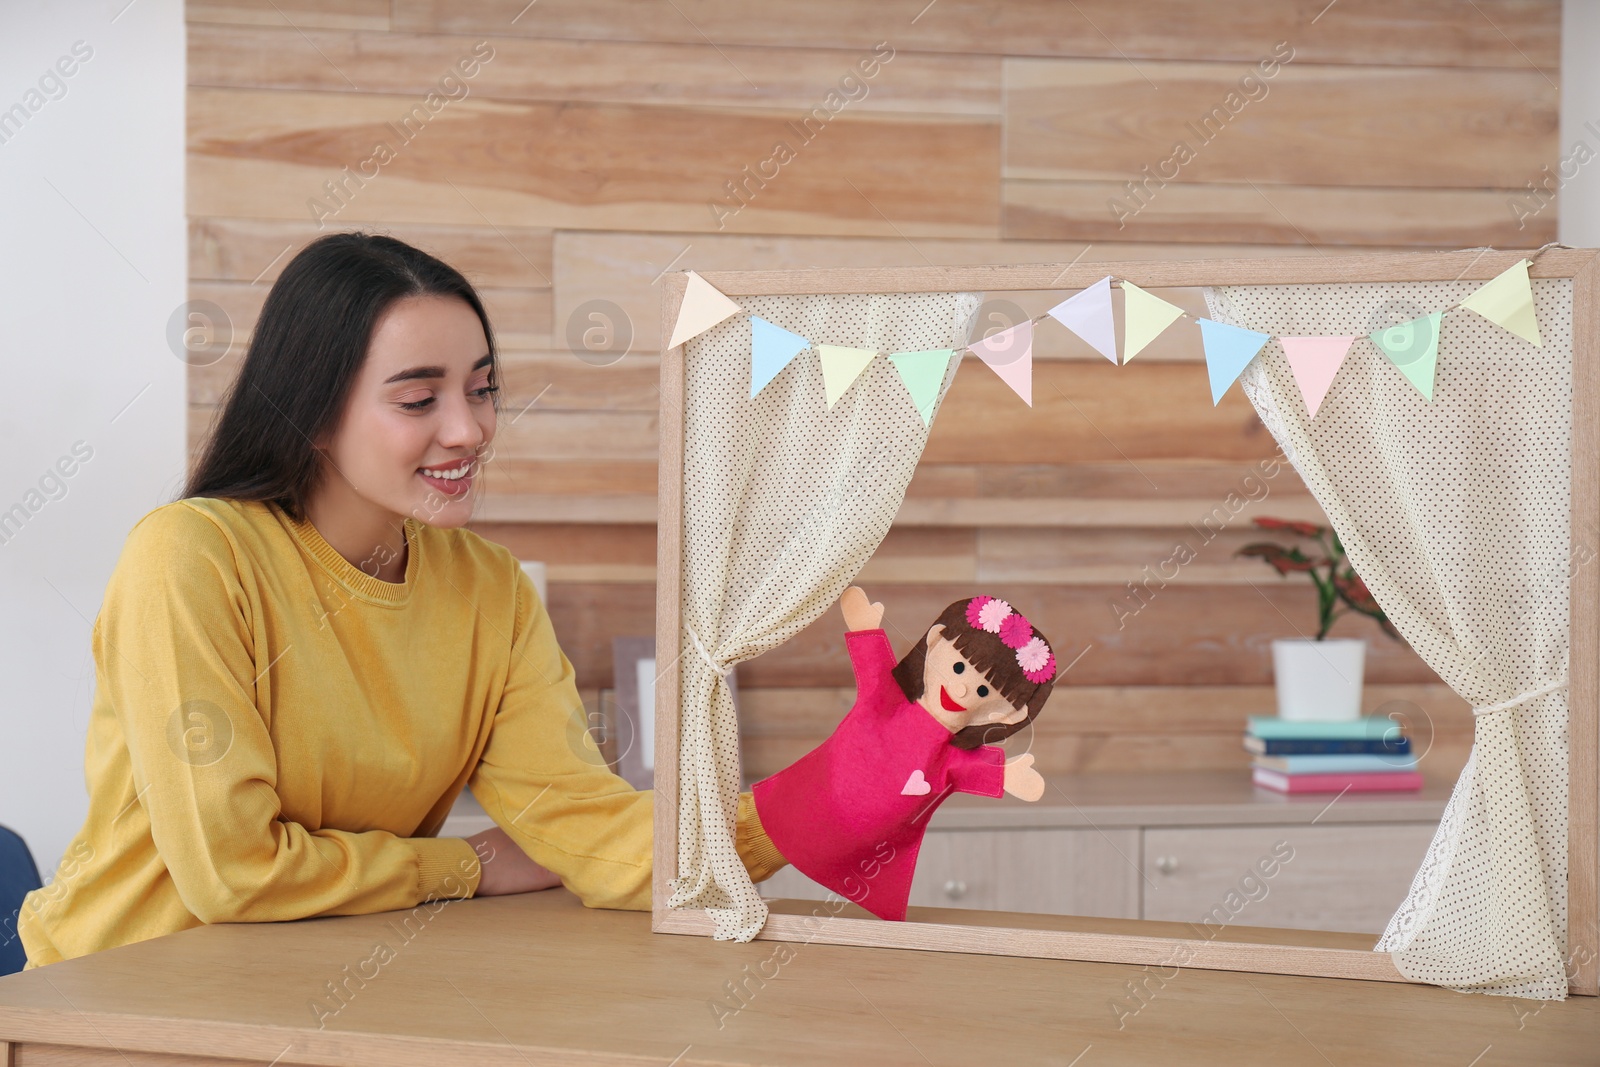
column 699, row 646
column 1520, row 698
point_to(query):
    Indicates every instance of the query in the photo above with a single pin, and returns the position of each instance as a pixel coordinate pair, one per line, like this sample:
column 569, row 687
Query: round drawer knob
column 955, row 890
column 1166, row 864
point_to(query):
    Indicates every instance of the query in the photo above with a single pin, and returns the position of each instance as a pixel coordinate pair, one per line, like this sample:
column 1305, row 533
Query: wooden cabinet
column 1349, row 877
column 1059, row 872
column 1208, row 849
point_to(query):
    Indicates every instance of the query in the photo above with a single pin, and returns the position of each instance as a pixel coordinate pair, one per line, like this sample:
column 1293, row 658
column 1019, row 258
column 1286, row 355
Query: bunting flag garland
column 923, row 373
column 1088, row 314
column 1009, row 354
column 1229, row 350
column 771, row 349
column 703, row 307
column 841, row 367
column 1507, row 301
column 1413, row 347
column 1144, row 317
column 1315, row 361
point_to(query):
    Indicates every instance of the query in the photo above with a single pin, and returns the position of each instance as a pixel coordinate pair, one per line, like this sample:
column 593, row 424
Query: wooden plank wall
column 604, row 142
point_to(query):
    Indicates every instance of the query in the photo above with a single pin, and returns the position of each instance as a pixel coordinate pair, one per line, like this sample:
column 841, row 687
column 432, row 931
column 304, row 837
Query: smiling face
column 956, row 693
column 422, row 401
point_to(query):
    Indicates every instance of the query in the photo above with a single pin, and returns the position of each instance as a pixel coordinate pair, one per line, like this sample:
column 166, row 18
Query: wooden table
column 539, row 979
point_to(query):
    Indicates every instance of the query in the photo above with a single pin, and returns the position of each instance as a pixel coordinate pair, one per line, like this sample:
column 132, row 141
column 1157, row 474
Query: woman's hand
column 1022, row 780
column 506, row 868
column 858, row 614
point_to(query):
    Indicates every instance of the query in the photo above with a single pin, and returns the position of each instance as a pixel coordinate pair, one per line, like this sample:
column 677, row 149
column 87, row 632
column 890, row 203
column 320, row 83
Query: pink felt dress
column 850, row 814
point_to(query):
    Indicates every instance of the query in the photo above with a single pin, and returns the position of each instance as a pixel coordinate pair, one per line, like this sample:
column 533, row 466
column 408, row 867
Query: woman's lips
column 946, row 703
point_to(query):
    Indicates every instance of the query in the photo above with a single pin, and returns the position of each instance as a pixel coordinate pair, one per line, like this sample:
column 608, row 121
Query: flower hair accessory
column 995, row 616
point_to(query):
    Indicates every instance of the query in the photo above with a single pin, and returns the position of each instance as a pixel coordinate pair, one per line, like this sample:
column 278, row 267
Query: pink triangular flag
column 1315, row 361
column 1009, row 354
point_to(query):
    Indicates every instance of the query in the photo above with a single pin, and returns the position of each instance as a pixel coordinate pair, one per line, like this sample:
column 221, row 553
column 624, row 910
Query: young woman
column 301, row 662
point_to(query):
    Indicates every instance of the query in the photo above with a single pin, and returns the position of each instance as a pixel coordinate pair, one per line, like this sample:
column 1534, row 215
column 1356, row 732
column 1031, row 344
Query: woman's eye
column 418, row 405
column 983, row 690
column 959, row 667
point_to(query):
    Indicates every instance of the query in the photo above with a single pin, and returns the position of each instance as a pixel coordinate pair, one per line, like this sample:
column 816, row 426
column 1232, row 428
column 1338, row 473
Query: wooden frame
column 1147, row 941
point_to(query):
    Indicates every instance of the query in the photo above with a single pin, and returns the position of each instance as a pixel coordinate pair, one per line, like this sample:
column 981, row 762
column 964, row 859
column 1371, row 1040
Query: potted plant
column 1317, row 678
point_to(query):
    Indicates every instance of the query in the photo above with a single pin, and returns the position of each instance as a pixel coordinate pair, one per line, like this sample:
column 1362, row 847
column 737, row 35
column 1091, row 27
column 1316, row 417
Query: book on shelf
column 1360, row 782
column 1315, row 746
column 1367, row 728
column 1350, row 763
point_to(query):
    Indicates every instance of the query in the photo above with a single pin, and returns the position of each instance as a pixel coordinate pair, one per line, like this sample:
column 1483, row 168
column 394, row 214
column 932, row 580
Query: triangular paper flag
column 1009, row 354
column 841, row 367
column 1315, row 360
column 1507, row 300
column 1414, row 348
column 923, row 373
column 1088, row 314
column 703, row 307
column 1229, row 349
column 771, row 349
column 1143, row 318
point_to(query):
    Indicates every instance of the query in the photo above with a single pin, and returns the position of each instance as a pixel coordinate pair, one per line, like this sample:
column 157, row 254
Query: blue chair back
column 19, row 876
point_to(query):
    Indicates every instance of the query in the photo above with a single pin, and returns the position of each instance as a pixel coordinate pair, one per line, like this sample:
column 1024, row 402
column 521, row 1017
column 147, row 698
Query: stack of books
column 1367, row 755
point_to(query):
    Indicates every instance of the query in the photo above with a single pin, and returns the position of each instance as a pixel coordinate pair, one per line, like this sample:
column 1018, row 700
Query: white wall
column 1577, row 172
column 92, row 265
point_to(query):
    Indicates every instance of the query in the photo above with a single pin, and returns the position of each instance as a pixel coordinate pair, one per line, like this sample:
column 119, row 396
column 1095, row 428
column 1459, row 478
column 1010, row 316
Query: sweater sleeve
column 175, row 648
column 544, row 784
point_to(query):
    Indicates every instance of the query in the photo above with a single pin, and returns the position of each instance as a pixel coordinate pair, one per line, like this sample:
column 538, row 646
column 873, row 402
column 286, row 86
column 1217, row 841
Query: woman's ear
column 935, row 632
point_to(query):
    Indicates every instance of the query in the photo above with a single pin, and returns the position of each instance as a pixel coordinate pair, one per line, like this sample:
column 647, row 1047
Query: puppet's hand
column 1022, row 780
column 858, row 614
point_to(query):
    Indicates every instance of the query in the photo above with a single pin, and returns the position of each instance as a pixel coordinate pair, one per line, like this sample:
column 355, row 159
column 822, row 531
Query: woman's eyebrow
column 430, row 372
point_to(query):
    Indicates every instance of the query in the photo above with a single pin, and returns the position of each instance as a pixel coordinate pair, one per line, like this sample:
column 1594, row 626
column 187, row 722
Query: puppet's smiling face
column 956, row 692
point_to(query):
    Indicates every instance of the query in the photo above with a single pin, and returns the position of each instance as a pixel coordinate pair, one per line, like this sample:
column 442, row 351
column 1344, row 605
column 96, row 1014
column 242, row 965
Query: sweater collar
column 348, row 574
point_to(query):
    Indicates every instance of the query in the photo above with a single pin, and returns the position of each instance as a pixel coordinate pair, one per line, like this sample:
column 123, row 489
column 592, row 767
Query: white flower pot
column 1319, row 680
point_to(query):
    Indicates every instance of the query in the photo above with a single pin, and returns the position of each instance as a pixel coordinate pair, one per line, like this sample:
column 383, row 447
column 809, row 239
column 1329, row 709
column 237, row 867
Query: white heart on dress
column 916, row 785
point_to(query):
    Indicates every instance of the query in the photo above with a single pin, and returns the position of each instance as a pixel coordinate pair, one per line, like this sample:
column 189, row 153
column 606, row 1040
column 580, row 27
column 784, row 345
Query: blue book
column 1367, row 728
column 1308, row 746
column 1350, row 763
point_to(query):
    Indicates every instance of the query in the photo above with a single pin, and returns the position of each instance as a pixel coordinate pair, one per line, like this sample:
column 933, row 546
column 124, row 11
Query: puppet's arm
column 1022, row 780
column 858, row 613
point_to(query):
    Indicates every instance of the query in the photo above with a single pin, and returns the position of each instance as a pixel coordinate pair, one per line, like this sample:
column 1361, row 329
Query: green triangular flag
column 1507, row 301
column 923, row 373
column 1413, row 347
column 841, row 367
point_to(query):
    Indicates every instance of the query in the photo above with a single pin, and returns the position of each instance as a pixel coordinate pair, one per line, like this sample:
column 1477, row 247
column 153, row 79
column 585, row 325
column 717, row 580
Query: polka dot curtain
column 1456, row 513
column 784, row 502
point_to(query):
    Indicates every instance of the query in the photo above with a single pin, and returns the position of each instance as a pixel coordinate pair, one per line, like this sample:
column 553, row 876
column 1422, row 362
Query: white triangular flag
column 1089, row 315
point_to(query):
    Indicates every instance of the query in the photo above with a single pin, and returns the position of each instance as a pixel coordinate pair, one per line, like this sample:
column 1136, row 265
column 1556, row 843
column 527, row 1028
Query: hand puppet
column 851, row 813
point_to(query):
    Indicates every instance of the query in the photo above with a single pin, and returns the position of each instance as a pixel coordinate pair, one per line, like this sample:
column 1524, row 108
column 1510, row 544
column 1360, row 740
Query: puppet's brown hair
column 990, row 655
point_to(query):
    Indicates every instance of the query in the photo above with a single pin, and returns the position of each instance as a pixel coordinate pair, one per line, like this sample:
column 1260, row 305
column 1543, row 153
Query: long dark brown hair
column 309, row 343
column 990, row 655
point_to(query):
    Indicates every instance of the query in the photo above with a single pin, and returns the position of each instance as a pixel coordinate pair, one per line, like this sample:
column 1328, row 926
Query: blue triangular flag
column 1229, row 350
column 771, row 349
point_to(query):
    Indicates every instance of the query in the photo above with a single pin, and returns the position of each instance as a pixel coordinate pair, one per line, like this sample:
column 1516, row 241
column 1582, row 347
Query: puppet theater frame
column 1138, row 941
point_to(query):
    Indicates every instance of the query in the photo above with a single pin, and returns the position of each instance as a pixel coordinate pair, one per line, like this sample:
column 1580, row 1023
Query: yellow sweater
column 277, row 734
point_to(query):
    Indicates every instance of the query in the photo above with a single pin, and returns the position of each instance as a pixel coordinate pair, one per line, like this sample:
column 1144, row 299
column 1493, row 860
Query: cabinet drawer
column 1337, row 877
column 1055, row 872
